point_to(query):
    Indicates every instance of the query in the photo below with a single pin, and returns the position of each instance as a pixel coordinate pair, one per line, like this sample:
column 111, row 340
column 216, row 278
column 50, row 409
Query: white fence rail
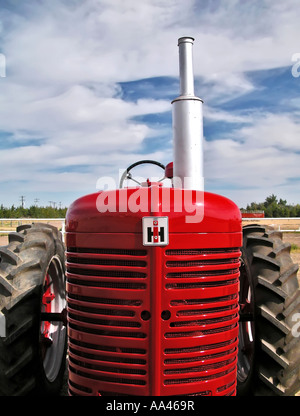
column 293, row 223
column 281, row 224
column 15, row 222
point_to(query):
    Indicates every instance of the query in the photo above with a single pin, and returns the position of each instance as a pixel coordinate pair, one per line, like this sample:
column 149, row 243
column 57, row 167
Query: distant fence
column 15, row 222
column 285, row 224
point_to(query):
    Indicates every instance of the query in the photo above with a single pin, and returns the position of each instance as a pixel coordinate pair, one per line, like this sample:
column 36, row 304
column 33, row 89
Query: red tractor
column 166, row 293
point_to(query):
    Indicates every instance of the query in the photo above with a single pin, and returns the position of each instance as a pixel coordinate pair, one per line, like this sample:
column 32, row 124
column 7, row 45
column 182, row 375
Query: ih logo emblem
column 155, row 231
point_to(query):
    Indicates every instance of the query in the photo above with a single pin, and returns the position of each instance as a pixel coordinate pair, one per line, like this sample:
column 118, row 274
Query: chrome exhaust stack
column 187, row 125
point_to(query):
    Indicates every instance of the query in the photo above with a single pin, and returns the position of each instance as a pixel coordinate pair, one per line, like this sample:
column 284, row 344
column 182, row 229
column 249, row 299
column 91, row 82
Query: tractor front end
column 153, row 278
column 158, row 319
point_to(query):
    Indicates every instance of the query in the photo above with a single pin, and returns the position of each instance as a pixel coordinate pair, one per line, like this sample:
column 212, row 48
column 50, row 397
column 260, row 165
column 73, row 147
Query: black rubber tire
column 34, row 252
column 269, row 347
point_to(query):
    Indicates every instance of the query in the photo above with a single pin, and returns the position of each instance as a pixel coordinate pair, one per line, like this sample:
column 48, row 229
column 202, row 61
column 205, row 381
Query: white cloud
column 258, row 159
column 215, row 114
column 65, row 60
column 280, row 131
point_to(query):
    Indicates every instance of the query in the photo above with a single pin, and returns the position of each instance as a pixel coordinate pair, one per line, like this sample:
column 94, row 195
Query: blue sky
column 89, row 85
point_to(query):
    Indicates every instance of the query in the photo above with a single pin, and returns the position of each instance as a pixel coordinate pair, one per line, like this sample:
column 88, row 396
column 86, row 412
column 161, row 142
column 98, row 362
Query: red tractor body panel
column 259, row 214
column 152, row 320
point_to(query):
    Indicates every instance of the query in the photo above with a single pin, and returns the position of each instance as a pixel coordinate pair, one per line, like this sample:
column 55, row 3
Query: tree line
column 32, row 212
column 274, row 207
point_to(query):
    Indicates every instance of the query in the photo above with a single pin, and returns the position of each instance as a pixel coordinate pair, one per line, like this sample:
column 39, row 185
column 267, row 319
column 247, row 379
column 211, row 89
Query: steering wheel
column 128, row 175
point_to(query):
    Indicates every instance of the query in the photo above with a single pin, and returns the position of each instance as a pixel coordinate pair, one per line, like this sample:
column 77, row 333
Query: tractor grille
column 202, row 291
column 107, row 337
column 112, row 333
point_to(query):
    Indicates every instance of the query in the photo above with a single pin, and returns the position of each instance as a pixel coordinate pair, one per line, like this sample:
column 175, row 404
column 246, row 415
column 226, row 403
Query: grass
column 295, row 248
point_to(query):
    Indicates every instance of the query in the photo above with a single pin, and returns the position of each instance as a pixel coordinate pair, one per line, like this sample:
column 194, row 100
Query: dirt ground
column 3, row 240
column 294, row 238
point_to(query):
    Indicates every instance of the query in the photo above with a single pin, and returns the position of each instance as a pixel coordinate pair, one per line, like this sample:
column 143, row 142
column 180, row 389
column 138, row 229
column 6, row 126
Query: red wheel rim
column 53, row 332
